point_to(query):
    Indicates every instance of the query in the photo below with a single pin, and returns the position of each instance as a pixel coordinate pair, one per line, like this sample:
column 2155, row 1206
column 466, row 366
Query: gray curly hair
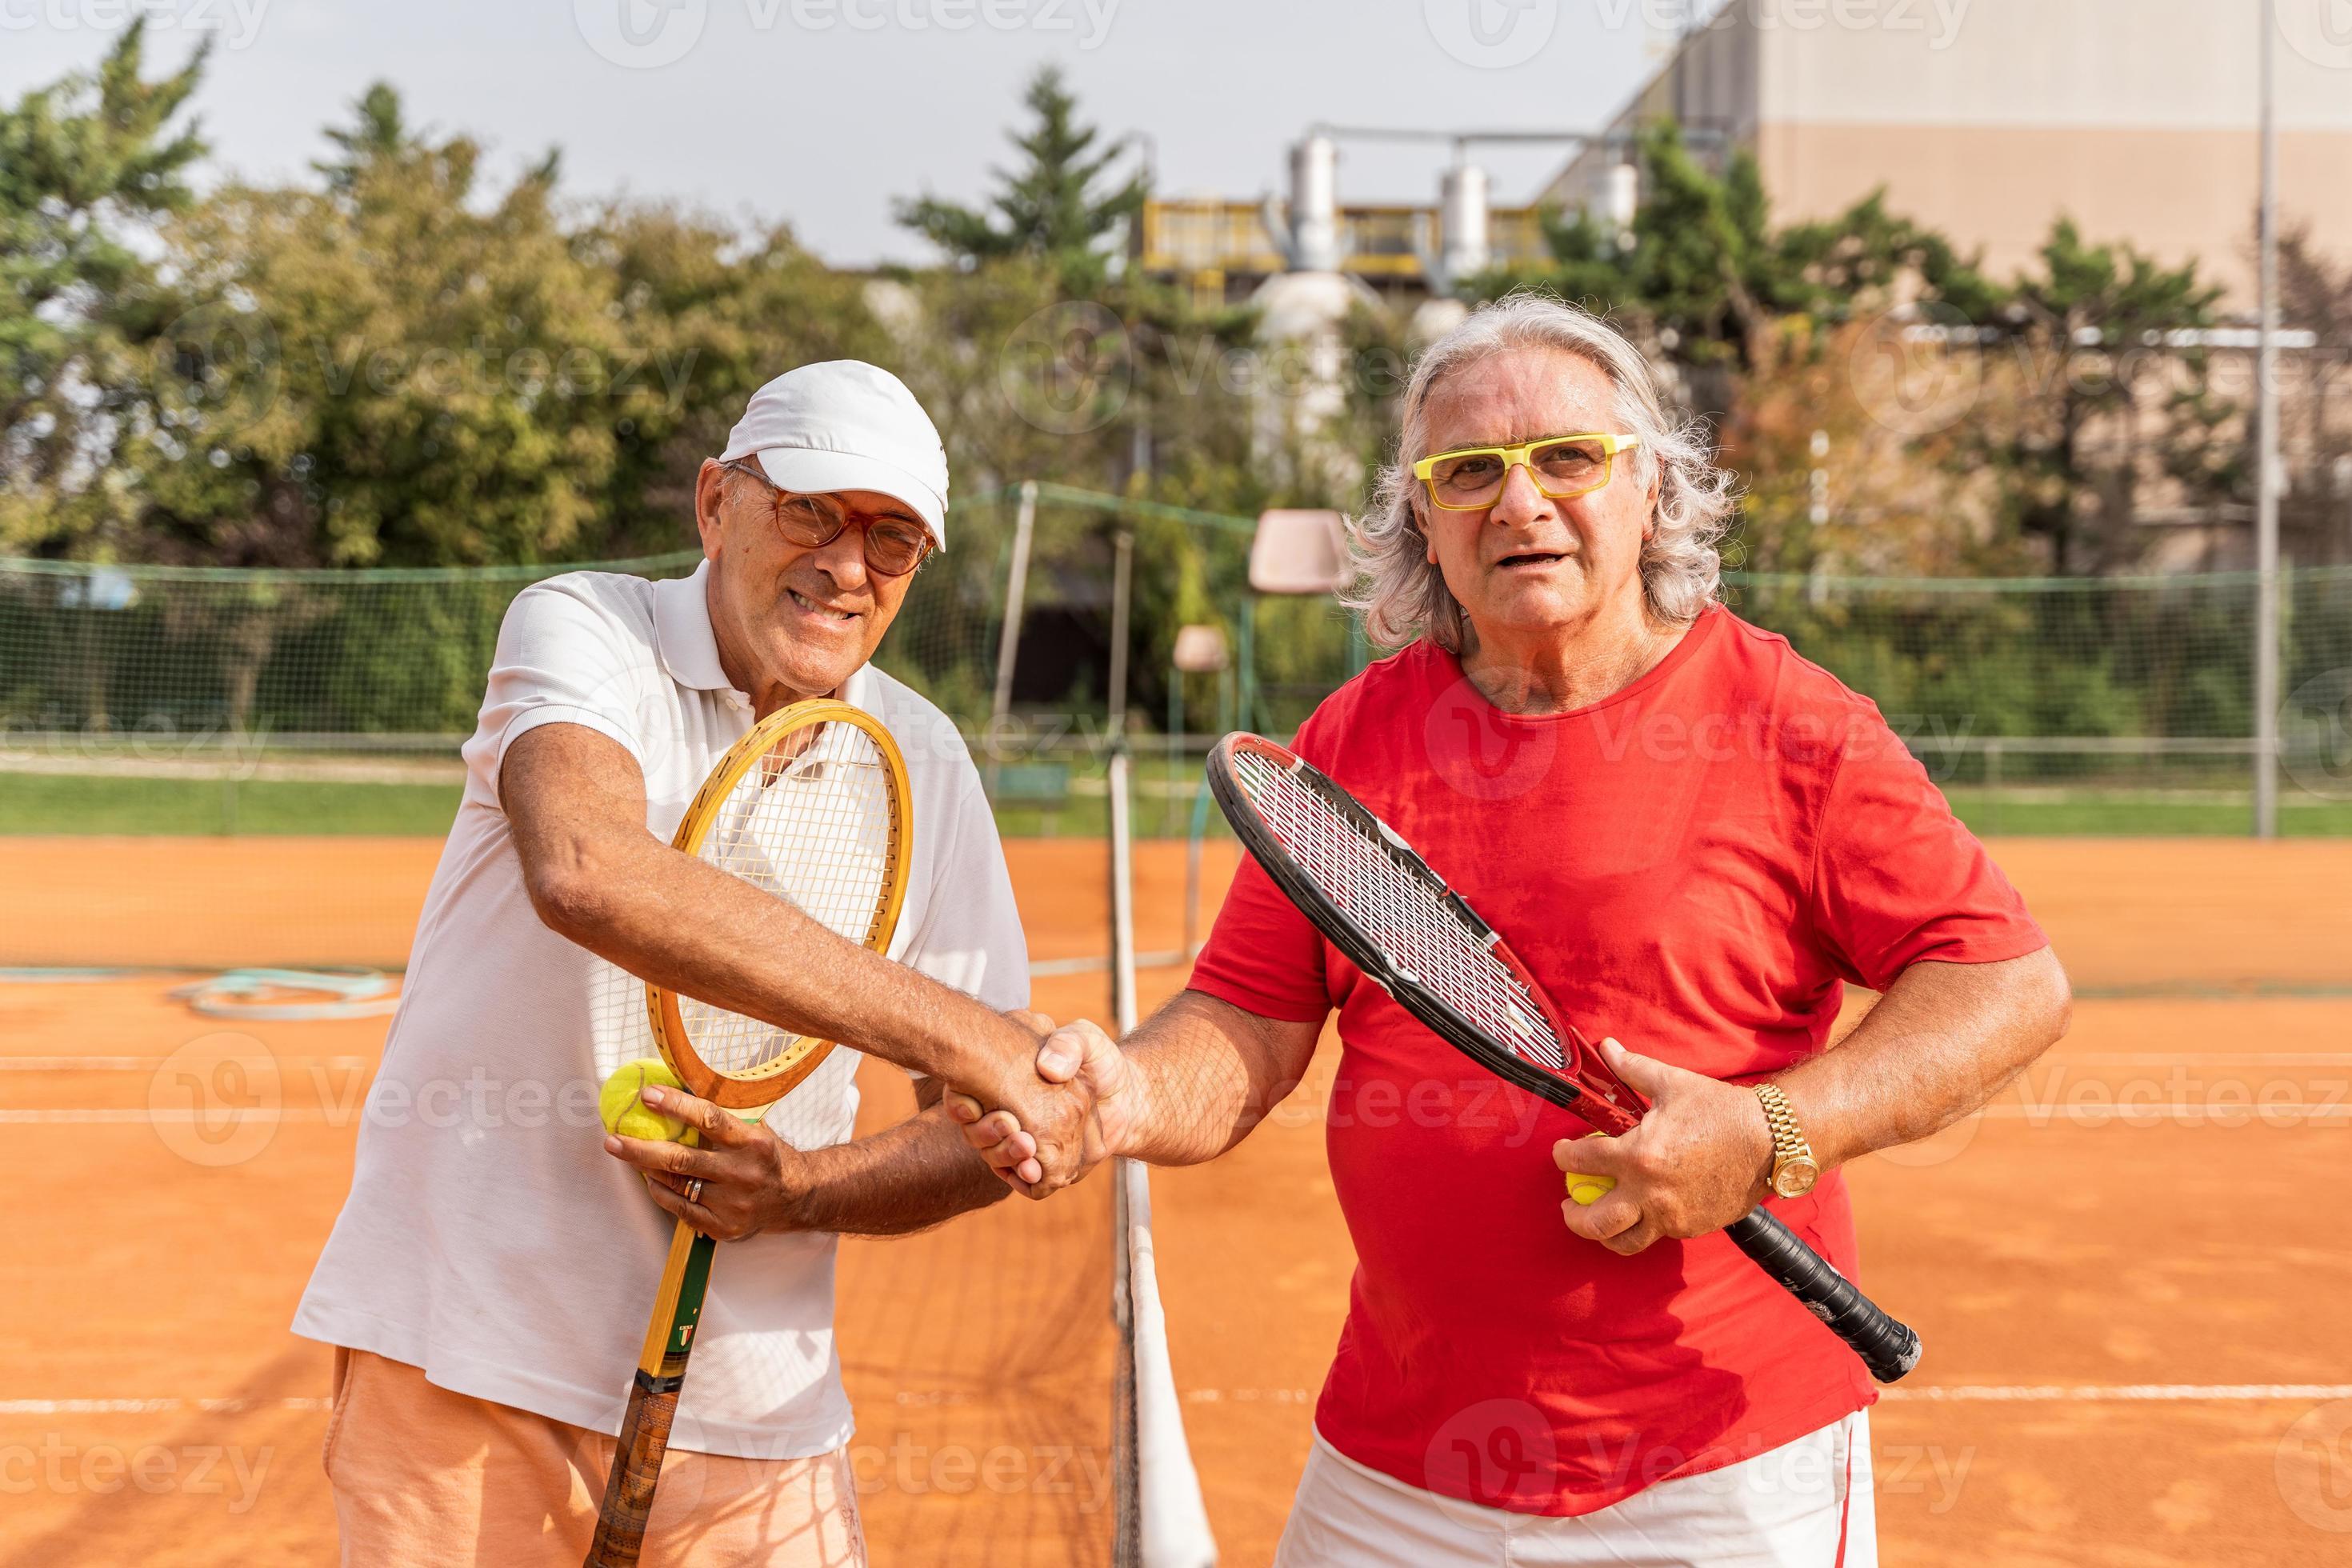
column 1404, row 598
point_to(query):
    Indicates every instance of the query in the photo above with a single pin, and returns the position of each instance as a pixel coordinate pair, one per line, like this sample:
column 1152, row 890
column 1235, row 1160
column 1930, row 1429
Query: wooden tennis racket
column 1418, row 939
column 812, row 807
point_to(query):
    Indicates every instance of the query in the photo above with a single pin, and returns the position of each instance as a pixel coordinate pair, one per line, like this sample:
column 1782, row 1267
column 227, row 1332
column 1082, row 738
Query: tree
column 2315, row 513
column 1054, row 206
column 390, row 371
column 378, row 134
column 82, row 165
column 2090, row 341
column 1703, row 273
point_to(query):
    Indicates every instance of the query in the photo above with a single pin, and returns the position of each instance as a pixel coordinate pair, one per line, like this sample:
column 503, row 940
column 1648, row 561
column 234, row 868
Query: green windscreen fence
column 189, row 700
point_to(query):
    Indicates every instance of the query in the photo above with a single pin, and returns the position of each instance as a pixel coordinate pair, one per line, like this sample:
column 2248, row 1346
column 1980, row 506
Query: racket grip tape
column 636, row 1467
column 1887, row 1348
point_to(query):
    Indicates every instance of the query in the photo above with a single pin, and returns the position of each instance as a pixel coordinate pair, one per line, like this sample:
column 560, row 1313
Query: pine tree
column 1052, row 206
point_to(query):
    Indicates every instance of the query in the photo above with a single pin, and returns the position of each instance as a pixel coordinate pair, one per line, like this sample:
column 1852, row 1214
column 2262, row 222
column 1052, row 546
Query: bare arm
column 1942, row 1042
column 1189, row 1083
column 576, row 802
column 903, row 1179
column 1202, row 1074
column 900, row 1179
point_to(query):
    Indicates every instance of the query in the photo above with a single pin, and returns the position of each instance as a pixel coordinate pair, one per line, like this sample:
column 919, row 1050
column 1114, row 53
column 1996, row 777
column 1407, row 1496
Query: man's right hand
column 1076, row 1060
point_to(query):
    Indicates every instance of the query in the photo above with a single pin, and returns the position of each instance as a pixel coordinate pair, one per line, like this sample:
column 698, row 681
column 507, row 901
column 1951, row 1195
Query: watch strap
column 1788, row 1140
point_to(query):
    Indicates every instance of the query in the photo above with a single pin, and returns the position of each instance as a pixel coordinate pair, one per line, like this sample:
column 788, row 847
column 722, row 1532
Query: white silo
column 1315, row 204
column 1467, row 248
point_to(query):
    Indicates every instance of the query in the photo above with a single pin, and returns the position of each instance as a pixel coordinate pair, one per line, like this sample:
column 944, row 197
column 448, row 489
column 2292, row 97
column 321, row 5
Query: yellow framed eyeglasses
column 1561, row 466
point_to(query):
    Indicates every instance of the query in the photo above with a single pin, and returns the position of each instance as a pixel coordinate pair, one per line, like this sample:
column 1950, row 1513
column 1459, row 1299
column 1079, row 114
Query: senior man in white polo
column 487, row 1283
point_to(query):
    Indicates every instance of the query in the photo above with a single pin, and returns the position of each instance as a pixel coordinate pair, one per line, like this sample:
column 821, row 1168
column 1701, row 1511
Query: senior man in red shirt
column 1696, row 839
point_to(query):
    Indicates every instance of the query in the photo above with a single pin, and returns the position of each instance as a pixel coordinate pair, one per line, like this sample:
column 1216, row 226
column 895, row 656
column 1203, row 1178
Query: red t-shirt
column 1696, row 865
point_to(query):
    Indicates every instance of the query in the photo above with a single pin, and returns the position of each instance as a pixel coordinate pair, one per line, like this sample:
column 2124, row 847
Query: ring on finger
column 693, row 1189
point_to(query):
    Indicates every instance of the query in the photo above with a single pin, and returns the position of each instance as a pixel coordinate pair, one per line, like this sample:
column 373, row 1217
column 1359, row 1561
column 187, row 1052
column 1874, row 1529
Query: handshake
column 1057, row 1115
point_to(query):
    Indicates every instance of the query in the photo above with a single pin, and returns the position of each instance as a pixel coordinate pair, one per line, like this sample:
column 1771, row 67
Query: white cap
column 845, row 425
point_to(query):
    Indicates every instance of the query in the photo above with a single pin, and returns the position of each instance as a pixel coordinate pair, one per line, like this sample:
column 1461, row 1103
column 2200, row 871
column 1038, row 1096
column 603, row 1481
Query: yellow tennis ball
column 1587, row 1190
column 622, row 1101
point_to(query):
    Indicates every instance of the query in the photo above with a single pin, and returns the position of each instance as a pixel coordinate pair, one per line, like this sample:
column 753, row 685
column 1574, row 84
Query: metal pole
column 1008, row 639
column 1123, row 1007
column 1121, row 585
column 2266, row 462
column 1246, row 677
column 1175, row 748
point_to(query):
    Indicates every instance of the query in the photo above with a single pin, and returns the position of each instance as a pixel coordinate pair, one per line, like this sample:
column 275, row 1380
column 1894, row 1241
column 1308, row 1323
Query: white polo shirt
column 488, row 1239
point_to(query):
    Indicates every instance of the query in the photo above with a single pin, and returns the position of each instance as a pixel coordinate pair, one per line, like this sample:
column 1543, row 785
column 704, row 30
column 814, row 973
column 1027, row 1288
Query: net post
column 2266, row 456
column 1159, row 1520
column 1008, row 637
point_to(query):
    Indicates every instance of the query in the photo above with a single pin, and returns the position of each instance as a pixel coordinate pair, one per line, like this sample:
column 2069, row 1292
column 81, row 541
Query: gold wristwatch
column 1794, row 1169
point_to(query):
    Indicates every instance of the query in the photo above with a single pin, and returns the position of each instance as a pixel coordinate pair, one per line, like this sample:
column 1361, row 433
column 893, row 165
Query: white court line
column 2016, row 1393
column 2191, row 1058
column 2132, row 1111
column 155, row 1064
column 67, row 1117
column 150, row 1406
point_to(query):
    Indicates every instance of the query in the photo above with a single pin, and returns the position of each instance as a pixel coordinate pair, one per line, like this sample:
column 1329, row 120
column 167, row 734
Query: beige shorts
column 427, row 1479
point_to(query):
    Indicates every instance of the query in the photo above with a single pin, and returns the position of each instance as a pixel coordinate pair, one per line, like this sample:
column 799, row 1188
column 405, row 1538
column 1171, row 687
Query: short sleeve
column 1897, row 880
column 1263, row 955
column 562, row 659
column 972, row 939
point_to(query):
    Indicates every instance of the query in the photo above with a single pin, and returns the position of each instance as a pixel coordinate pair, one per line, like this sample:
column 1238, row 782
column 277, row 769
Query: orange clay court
column 2131, row 1272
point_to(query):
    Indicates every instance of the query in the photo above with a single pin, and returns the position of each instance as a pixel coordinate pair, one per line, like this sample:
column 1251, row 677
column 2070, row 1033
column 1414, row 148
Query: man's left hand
column 752, row 1180
column 1699, row 1160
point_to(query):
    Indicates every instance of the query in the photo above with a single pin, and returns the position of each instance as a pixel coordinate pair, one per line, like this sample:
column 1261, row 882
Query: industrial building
column 1987, row 119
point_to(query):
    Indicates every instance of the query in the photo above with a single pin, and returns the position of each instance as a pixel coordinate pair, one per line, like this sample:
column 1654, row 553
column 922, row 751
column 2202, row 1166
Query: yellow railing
column 1188, row 238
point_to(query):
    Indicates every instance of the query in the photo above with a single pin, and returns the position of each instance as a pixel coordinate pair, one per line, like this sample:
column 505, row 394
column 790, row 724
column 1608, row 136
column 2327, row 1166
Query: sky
column 819, row 112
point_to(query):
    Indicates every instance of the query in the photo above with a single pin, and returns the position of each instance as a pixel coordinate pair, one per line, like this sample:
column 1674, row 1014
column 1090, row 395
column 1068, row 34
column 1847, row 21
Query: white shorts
column 1806, row 1504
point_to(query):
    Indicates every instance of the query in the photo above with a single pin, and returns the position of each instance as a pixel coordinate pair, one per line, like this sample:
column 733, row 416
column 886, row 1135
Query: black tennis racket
column 1414, row 937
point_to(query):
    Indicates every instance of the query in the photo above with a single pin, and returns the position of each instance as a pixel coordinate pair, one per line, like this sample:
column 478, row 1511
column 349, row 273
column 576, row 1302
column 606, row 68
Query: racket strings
column 1403, row 914
column 818, row 827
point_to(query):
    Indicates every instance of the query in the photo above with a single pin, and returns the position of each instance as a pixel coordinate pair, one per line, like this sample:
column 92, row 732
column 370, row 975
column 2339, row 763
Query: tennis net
column 1160, row 1519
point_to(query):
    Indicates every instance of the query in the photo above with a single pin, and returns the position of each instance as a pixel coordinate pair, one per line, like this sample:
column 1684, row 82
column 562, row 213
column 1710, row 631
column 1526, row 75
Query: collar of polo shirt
column 682, row 633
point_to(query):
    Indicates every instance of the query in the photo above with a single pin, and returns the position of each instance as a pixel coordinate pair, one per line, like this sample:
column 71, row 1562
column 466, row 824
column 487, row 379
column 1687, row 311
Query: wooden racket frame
column 772, row 1079
column 627, row 1504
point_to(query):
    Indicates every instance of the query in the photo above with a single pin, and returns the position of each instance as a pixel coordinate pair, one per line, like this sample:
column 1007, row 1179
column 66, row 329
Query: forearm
column 1943, row 1040
column 895, row 1182
column 669, row 917
column 1205, row 1073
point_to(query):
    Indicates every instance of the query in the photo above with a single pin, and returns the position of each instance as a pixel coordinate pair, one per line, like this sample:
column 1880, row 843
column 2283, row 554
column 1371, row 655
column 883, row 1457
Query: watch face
column 1794, row 1178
